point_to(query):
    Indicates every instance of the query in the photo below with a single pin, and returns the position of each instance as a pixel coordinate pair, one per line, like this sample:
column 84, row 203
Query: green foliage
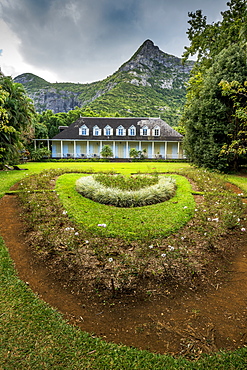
column 106, row 151
column 41, row 153
column 207, row 40
column 17, row 116
column 134, row 153
column 213, row 130
column 236, row 149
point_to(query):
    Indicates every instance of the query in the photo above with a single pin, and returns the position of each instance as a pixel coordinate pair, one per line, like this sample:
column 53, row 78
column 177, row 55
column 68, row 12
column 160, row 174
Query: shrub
column 90, row 188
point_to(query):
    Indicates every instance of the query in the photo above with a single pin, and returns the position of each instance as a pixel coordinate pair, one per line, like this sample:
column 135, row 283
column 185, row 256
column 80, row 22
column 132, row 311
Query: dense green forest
column 215, row 114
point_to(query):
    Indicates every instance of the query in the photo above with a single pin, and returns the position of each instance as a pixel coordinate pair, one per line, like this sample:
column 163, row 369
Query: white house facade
column 86, row 137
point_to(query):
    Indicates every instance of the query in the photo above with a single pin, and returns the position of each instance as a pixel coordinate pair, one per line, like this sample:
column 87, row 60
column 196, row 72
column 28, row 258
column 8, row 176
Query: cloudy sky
column 88, row 40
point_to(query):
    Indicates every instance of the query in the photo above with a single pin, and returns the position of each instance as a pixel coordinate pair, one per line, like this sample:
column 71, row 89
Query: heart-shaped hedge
column 90, row 188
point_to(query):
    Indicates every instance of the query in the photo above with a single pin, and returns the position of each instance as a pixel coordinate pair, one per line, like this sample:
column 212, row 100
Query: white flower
column 209, row 219
column 163, row 255
column 76, row 233
column 64, row 212
column 102, row 225
column 86, row 241
column 69, row 229
column 151, row 246
column 243, row 229
column 182, row 238
column 185, row 207
column 215, row 219
column 196, row 210
column 238, row 219
column 110, row 259
column 171, row 247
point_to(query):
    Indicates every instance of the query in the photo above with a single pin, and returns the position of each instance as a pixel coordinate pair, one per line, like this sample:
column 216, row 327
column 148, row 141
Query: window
column 132, row 131
column 108, row 131
column 83, row 130
column 145, row 131
column 156, row 131
column 120, row 131
column 96, row 131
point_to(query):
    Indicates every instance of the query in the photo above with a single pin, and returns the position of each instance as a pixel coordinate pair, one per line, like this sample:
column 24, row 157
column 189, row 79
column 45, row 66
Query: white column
column 100, row 146
column 35, row 145
column 61, row 148
column 87, row 148
column 127, row 149
column 74, row 149
column 152, row 149
column 178, row 148
column 140, row 146
column 166, row 150
column 48, row 144
column 114, row 149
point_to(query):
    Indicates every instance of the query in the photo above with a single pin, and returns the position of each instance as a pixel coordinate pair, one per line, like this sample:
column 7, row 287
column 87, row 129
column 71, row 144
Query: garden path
column 180, row 323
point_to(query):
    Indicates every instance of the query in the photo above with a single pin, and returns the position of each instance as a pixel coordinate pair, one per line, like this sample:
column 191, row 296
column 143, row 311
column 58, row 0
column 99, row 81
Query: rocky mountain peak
column 149, row 55
column 162, row 74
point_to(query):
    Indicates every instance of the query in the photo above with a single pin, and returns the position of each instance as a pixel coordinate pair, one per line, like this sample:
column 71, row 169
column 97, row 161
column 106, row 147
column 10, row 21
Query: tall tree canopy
column 214, row 115
column 17, row 117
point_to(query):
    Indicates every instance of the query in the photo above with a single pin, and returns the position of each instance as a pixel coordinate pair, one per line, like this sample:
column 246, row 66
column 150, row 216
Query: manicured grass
column 130, row 223
column 241, row 182
column 34, row 336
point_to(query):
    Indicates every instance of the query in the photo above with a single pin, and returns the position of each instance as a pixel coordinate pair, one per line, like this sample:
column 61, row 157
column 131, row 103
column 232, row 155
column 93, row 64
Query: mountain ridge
column 150, row 83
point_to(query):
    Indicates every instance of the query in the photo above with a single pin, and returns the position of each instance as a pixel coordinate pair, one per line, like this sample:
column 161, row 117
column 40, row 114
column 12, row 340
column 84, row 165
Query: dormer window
column 120, row 131
column 108, row 131
column 96, row 131
column 144, row 131
column 83, row 130
column 132, row 131
column 156, row 131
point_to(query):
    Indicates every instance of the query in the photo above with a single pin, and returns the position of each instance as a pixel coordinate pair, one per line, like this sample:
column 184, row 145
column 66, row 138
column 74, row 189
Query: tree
column 134, row 153
column 17, row 118
column 210, row 115
column 236, row 149
column 207, row 40
column 6, row 132
column 106, row 151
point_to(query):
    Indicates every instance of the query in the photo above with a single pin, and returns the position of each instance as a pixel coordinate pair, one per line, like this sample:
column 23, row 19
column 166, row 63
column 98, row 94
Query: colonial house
column 86, row 137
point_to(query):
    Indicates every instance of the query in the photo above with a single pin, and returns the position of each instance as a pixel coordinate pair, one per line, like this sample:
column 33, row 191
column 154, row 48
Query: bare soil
column 179, row 322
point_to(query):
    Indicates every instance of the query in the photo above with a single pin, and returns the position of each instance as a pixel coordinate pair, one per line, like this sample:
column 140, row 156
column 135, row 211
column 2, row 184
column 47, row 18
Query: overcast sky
column 88, row 40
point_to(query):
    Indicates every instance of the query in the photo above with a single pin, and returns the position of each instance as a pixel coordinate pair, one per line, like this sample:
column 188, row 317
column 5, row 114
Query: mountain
column 151, row 83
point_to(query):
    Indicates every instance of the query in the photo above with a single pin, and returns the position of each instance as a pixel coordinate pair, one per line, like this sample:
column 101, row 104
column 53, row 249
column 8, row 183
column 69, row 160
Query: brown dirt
column 182, row 322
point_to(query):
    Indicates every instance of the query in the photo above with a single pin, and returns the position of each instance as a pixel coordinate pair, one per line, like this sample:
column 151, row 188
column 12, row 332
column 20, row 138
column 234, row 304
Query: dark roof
column 167, row 133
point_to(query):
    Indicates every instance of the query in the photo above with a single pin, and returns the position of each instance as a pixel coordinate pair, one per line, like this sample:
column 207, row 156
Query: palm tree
column 17, row 115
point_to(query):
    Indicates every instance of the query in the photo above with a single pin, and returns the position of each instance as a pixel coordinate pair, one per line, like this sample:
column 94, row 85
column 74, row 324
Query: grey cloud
column 86, row 40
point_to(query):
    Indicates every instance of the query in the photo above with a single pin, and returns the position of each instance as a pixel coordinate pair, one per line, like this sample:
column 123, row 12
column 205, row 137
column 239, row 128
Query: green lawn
column 35, row 336
column 132, row 223
column 241, row 182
